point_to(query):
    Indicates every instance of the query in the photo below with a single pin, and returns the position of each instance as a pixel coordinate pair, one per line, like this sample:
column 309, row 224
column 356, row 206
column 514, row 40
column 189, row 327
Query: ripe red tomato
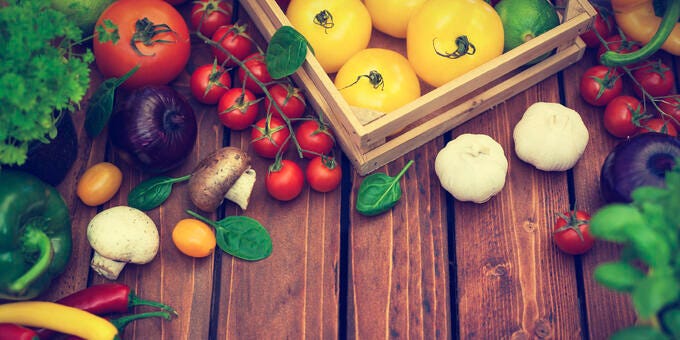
column 208, row 83
column 603, row 26
column 258, row 69
column 572, row 232
column 269, row 135
column 284, row 180
column 238, row 108
column 323, row 174
column 617, row 43
column 290, row 100
column 600, row 84
column 210, row 15
column 315, row 138
column 658, row 125
column 235, row 42
column 670, row 109
column 622, row 116
column 144, row 40
column 655, row 78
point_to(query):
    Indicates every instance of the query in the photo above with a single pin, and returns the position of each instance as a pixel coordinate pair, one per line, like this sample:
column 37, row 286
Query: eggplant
column 153, row 127
column 642, row 160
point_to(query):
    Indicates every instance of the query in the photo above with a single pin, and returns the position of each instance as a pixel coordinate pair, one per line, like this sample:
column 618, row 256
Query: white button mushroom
column 120, row 235
column 472, row 167
column 550, row 136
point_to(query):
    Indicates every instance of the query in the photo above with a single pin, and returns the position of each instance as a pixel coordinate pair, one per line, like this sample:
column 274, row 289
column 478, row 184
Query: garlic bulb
column 472, row 167
column 550, row 136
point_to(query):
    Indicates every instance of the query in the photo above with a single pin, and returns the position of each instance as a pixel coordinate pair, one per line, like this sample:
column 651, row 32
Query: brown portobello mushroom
column 218, row 174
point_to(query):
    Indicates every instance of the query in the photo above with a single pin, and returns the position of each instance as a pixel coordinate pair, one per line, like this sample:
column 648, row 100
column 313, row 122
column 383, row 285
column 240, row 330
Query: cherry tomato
column 622, row 116
column 655, row 78
column 144, row 40
column 617, row 43
column 99, row 184
column 269, row 135
column 209, row 82
column 670, row 109
column 391, row 16
column 658, row 125
column 315, row 138
column 446, row 39
column 600, row 84
column 258, row 68
column 572, row 232
column 603, row 26
column 210, row 15
column 336, row 29
column 234, row 40
column 284, row 180
column 238, row 108
column 290, row 100
column 323, row 174
column 194, row 238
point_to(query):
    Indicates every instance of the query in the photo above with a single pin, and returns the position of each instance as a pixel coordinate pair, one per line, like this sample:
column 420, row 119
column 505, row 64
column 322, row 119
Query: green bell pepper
column 35, row 235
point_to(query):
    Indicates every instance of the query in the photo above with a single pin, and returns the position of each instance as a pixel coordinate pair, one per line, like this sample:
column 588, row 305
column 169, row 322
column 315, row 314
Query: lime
column 524, row 20
column 83, row 12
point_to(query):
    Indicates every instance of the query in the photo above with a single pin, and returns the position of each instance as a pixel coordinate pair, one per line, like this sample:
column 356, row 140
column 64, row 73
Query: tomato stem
column 324, row 19
column 464, row 47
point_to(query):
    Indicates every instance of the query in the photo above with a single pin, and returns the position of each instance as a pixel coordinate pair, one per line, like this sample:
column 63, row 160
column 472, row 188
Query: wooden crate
column 371, row 143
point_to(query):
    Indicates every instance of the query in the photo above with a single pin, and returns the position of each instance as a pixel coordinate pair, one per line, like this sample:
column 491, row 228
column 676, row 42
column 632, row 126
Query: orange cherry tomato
column 99, row 184
column 194, row 238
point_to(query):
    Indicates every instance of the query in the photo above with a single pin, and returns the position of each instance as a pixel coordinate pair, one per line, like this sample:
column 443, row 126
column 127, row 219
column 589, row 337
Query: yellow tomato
column 378, row 79
column 392, row 16
column 194, row 238
column 336, row 29
column 99, row 183
column 447, row 38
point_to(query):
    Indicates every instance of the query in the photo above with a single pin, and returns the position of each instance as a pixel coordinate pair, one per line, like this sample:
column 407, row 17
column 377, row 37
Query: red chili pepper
column 10, row 331
column 123, row 321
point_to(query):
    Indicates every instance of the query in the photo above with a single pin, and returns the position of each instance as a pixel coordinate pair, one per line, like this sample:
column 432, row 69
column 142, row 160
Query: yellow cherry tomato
column 447, row 38
column 194, row 238
column 378, row 79
column 392, row 16
column 336, row 29
column 99, row 184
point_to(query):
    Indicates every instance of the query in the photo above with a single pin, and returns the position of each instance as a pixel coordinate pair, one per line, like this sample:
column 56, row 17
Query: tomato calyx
column 606, row 82
column 465, row 47
column 209, row 7
column 145, row 31
column 242, row 106
column 267, row 131
column 374, row 78
column 324, row 19
column 329, row 162
column 573, row 223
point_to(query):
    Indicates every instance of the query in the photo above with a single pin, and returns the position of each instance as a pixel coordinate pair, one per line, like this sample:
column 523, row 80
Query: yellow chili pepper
column 61, row 318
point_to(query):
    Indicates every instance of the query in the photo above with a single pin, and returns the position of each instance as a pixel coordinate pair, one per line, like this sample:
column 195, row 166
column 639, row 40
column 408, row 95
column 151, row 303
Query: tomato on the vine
column 670, row 109
column 209, row 15
column 285, row 180
column 617, row 43
column 602, row 27
column 600, row 84
column 234, row 40
column 238, row 108
column 323, row 174
column 572, row 232
column 150, row 33
column 209, row 82
column 315, row 138
column 622, row 116
column 258, row 68
column 658, row 125
column 289, row 98
column 269, row 135
column 655, row 78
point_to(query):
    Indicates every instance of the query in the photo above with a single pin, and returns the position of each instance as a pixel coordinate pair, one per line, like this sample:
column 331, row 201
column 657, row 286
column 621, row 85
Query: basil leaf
column 379, row 192
column 618, row 276
column 101, row 104
column 639, row 333
column 286, row 52
column 654, row 293
column 152, row 192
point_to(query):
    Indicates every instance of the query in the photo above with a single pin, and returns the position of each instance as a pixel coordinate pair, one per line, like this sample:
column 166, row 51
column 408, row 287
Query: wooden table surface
column 432, row 267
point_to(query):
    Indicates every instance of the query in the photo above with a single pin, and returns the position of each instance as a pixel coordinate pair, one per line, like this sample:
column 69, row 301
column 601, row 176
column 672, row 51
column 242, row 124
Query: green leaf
column 653, row 293
column 101, row 104
column 671, row 320
column 286, row 52
column 650, row 246
column 619, row 276
column 379, row 192
column 638, row 333
column 612, row 222
column 107, row 31
column 152, row 192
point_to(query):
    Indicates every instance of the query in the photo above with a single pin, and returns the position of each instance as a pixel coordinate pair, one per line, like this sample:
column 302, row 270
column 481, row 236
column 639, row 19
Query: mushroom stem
column 106, row 267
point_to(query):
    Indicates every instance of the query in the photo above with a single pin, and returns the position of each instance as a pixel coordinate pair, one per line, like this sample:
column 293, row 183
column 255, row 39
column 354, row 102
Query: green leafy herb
column 286, row 52
column 101, row 103
column 108, row 31
column 153, row 192
column 240, row 236
column 379, row 192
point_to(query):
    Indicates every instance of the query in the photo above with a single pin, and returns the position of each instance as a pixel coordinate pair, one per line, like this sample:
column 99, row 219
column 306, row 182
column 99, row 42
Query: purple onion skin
column 154, row 127
column 639, row 161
